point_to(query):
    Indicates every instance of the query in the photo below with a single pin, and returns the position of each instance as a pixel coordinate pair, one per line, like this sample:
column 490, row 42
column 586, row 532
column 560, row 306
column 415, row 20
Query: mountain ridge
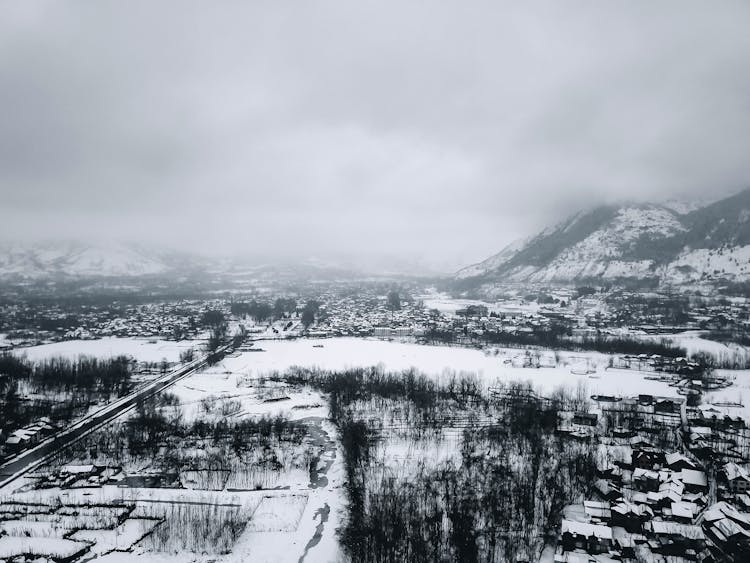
column 631, row 241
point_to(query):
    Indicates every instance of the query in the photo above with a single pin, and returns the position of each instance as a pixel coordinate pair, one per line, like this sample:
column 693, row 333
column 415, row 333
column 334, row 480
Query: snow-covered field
column 693, row 342
column 439, row 361
column 341, row 353
column 449, row 305
column 142, row 349
column 298, row 522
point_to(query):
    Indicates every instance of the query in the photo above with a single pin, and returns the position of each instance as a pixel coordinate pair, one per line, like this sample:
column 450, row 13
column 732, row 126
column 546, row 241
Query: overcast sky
column 434, row 129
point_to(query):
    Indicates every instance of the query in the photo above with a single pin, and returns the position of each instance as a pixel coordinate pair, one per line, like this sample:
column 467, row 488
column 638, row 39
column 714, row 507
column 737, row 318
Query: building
column 592, row 538
column 737, row 477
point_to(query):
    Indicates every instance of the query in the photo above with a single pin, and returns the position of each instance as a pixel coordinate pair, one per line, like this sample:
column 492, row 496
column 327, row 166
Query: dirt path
column 319, row 468
column 315, row 540
column 321, row 439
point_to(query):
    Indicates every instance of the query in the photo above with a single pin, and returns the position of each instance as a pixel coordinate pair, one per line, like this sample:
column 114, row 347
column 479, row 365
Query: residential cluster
column 672, row 483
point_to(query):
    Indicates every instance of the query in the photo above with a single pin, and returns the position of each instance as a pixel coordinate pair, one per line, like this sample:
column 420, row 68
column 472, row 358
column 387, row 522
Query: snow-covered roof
column 74, row 469
column 676, row 529
column 587, row 530
column 694, row 477
column 734, row 471
column 684, row 509
column 675, row 457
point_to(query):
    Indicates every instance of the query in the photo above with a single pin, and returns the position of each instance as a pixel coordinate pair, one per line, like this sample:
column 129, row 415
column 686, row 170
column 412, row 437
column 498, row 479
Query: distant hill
column 640, row 242
column 77, row 260
column 83, row 260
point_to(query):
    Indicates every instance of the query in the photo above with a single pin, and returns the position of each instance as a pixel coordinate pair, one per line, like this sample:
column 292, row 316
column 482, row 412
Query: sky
column 435, row 132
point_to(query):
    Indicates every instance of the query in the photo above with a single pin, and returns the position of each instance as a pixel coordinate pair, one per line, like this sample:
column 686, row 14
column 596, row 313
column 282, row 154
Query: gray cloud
column 376, row 127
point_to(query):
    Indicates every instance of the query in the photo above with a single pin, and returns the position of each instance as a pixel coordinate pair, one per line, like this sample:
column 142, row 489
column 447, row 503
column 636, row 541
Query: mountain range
column 70, row 259
column 642, row 242
column 113, row 259
column 656, row 243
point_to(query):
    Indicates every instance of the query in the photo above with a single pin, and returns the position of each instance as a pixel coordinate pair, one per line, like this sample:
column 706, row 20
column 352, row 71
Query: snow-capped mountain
column 111, row 259
column 636, row 242
column 76, row 259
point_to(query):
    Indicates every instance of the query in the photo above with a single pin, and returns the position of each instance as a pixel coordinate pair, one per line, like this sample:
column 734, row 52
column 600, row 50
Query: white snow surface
column 439, row 361
column 142, row 349
column 599, row 254
column 729, row 263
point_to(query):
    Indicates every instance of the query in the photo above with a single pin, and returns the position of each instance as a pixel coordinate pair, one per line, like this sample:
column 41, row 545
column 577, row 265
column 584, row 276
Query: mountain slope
column 636, row 242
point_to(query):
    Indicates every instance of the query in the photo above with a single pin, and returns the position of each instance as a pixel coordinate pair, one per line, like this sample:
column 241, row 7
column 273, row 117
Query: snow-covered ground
column 439, row 361
column 291, row 523
column 142, row 349
column 341, row 353
column 449, row 305
column 298, row 523
column 693, row 342
column 738, row 393
column 224, row 380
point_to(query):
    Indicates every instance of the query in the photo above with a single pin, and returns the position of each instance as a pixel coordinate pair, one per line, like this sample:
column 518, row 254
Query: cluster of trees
column 732, row 358
column 364, row 384
column 158, row 431
column 187, row 356
column 261, row 311
column 258, row 311
column 216, row 322
column 495, row 504
column 216, row 337
column 212, row 318
column 645, row 309
column 310, row 312
column 558, row 337
column 108, row 376
column 63, row 387
column 495, row 501
column 737, row 336
column 394, row 300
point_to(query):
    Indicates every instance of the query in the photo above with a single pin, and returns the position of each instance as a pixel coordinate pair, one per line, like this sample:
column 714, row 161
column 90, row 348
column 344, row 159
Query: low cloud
column 383, row 128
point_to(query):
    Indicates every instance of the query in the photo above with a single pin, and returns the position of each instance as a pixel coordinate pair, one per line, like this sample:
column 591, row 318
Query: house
column 648, row 458
column 630, row 516
column 737, row 477
column 675, row 538
column 608, row 491
column 609, row 471
column 672, row 490
column 729, row 529
column 79, row 470
column 683, row 512
column 585, row 419
column 29, row 435
column 637, row 442
column 20, row 439
column 695, row 481
column 667, row 406
column 677, row 462
column 622, row 432
column 592, row 538
column 597, row 511
column 645, row 479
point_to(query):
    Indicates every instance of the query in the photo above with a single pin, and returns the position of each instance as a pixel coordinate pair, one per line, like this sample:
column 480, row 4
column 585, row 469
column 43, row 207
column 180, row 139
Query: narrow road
column 34, row 457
